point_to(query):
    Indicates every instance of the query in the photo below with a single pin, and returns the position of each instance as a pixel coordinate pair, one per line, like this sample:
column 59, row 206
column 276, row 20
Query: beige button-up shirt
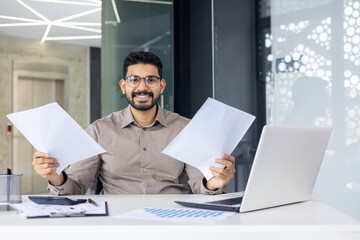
column 132, row 163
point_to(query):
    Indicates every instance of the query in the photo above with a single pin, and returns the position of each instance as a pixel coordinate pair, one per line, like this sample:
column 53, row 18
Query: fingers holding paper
column 222, row 175
column 45, row 166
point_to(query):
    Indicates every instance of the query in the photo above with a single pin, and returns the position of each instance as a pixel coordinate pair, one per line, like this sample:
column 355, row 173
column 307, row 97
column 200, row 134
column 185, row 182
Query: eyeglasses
column 150, row 81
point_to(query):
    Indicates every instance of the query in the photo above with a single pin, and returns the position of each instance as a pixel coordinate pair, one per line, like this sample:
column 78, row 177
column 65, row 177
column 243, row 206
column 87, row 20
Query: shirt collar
column 160, row 116
column 128, row 117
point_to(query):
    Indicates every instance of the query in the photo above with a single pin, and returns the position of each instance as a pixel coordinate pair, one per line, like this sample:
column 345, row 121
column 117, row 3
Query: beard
column 142, row 107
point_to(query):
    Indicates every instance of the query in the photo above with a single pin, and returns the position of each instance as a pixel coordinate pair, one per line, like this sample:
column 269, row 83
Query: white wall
column 15, row 50
column 314, row 80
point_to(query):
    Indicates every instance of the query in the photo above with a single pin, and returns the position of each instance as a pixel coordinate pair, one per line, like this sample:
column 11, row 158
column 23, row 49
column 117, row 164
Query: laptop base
column 210, row 207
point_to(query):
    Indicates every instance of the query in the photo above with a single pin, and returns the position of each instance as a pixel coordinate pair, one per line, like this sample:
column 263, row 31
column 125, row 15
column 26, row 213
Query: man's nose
column 142, row 84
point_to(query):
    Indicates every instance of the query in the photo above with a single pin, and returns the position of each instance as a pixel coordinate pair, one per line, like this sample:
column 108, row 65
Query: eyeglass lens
column 150, row 81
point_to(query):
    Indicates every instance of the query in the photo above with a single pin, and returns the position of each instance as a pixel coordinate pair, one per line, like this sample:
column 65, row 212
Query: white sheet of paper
column 50, row 129
column 215, row 129
column 177, row 215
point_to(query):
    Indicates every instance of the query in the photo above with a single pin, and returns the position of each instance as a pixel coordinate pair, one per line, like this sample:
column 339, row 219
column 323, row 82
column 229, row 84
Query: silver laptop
column 284, row 171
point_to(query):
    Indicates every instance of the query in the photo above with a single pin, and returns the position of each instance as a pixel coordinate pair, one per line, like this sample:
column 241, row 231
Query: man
column 133, row 139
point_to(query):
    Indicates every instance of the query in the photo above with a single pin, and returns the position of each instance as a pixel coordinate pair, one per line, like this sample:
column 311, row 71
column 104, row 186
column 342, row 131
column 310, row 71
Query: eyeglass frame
column 145, row 80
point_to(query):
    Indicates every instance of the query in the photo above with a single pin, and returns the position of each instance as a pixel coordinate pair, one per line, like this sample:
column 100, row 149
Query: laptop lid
column 285, row 167
column 284, row 170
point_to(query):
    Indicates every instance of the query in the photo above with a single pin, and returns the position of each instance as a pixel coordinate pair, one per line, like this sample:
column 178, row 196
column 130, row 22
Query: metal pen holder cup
column 10, row 188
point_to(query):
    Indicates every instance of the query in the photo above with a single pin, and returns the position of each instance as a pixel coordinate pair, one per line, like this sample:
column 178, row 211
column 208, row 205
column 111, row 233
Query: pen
column 92, row 201
column 68, row 214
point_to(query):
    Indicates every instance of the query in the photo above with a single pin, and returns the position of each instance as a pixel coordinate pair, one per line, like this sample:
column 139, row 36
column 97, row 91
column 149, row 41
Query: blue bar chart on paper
column 177, row 214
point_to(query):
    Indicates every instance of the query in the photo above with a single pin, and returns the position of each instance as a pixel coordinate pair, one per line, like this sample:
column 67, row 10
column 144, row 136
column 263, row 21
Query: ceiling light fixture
column 78, row 15
column 40, row 16
column 66, row 25
column 21, row 24
column 33, row 11
column 150, row 1
column 74, row 38
column 115, row 11
column 46, row 33
column 19, row 19
column 84, row 26
column 95, row 1
column 95, row 4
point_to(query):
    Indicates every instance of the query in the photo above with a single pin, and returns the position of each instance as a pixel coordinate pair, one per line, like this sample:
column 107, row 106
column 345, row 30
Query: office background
column 287, row 62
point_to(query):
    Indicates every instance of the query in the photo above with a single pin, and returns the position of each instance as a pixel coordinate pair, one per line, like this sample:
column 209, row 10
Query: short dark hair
column 144, row 58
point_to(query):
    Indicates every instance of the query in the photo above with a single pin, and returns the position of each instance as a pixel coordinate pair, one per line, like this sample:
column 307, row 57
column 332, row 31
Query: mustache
column 142, row 93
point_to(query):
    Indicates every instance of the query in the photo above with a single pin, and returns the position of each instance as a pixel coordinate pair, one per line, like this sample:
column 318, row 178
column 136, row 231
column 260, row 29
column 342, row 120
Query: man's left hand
column 221, row 175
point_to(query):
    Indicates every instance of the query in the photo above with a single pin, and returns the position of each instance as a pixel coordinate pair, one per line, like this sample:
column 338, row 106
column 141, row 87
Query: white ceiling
column 64, row 21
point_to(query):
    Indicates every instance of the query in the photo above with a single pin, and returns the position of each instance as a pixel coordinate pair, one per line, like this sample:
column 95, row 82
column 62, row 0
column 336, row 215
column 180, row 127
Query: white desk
column 307, row 220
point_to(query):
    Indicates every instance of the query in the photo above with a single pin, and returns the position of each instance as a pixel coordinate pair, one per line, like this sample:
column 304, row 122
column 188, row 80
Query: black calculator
column 56, row 200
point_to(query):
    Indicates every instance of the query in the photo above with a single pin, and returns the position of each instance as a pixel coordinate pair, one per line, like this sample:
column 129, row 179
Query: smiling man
column 133, row 139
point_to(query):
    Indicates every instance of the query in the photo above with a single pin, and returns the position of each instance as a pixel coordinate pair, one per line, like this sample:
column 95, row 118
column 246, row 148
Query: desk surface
column 306, row 217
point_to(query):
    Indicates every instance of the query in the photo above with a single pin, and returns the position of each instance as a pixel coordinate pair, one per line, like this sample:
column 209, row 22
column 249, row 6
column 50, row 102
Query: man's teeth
column 142, row 96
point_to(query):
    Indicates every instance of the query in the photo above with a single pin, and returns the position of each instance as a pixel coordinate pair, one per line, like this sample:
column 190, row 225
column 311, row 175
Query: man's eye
column 134, row 80
column 152, row 80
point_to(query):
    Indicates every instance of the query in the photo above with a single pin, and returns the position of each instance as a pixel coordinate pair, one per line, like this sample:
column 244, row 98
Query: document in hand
column 50, row 129
column 215, row 129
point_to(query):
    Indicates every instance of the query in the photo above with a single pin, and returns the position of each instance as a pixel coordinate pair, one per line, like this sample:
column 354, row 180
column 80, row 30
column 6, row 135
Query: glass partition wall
column 135, row 26
column 310, row 57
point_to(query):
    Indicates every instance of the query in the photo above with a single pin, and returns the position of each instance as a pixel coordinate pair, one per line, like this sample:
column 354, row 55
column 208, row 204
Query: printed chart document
column 50, row 129
column 177, row 215
column 215, row 129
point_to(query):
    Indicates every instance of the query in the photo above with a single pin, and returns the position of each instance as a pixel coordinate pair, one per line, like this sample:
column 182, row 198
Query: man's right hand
column 46, row 168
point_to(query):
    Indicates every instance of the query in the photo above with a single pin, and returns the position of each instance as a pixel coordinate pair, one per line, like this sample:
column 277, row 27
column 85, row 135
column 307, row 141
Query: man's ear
column 162, row 85
column 122, row 85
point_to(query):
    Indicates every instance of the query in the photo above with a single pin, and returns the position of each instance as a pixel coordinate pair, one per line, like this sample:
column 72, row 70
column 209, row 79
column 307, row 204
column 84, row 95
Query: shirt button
column 149, row 185
column 144, row 129
column 145, row 170
column 145, row 149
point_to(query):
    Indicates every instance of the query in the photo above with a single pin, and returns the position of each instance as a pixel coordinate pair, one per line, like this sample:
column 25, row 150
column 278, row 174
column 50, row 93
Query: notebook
column 33, row 210
column 284, row 171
